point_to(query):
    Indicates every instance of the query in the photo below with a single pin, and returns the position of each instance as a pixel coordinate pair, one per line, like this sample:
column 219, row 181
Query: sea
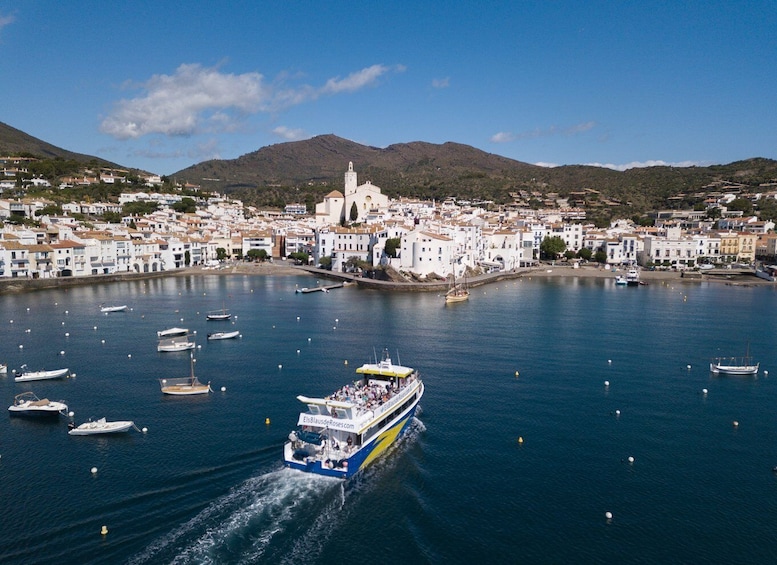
column 565, row 420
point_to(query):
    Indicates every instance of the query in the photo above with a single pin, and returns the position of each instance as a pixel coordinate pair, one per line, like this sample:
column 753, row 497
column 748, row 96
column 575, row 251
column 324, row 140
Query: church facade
column 336, row 207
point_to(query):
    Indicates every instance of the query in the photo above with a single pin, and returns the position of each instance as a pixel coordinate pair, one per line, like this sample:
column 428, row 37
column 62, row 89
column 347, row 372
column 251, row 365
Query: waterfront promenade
column 282, row 268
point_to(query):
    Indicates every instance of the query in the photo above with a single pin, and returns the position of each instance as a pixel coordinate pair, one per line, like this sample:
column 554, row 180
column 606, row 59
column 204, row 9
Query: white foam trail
column 241, row 525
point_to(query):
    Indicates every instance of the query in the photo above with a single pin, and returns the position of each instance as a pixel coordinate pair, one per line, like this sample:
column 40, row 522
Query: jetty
column 324, row 288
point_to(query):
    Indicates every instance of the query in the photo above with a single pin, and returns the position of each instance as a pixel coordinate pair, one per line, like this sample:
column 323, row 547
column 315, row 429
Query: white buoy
column 144, row 430
column 21, row 347
column 95, row 328
column 631, row 459
column 67, row 334
column 688, row 367
column 608, row 515
column 129, row 355
column 617, row 412
column 102, row 341
column 606, row 383
column 280, row 366
column 308, row 340
column 63, row 323
column 223, row 389
column 94, row 470
column 71, row 414
column 61, row 352
column 766, row 373
column 297, row 351
column 735, row 424
column 704, row 391
column 337, row 320
column 609, row 361
column 298, row 318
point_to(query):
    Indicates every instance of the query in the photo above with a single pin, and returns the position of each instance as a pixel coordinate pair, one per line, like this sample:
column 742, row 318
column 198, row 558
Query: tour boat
column 100, row 426
column 40, row 375
column 27, row 404
column 342, row 433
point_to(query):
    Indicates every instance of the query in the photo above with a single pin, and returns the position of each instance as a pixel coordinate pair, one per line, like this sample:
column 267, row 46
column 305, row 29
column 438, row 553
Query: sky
column 160, row 85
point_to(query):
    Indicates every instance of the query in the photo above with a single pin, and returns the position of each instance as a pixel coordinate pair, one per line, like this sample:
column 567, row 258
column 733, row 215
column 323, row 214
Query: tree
column 741, row 204
column 187, row 258
column 325, row 262
column 354, row 212
column 585, row 254
column 221, row 253
column 767, row 208
column 600, row 257
column 300, row 257
column 185, row 206
column 393, row 243
column 713, row 213
column 257, row 254
column 552, row 246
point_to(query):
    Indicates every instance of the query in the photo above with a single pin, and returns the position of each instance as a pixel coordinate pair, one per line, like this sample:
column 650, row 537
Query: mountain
column 14, row 142
column 304, row 171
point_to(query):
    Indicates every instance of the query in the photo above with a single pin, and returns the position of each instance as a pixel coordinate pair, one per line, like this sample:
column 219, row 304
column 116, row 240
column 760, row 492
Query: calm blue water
column 205, row 484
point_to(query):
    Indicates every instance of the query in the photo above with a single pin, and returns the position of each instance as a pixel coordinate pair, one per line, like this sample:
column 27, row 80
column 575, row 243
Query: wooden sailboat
column 185, row 386
column 217, row 315
column 457, row 292
column 735, row 365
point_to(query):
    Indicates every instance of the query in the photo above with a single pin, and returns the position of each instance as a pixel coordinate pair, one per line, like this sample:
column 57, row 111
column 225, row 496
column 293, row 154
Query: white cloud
column 177, row 104
column 441, row 82
column 502, row 137
column 354, row 81
column 290, row 134
column 6, row 20
column 651, row 163
column 196, row 99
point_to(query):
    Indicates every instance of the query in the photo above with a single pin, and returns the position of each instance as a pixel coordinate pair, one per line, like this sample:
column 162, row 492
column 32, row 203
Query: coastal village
column 358, row 226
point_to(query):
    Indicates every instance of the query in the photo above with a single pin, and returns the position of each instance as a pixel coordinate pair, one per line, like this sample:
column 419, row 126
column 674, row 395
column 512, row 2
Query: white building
column 336, row 207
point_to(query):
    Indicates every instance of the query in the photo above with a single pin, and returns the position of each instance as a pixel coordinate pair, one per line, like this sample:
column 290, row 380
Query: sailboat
column 185, row 386
column 735, row 365
column 457, row 292
column 222, row 314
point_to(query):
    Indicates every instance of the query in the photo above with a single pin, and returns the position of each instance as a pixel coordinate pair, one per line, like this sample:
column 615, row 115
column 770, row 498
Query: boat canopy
column 325, row 402
column 385, row 371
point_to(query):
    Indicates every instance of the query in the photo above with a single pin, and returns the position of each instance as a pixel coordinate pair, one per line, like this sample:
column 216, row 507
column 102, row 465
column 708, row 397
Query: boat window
column 341, row 413
column 313, row 409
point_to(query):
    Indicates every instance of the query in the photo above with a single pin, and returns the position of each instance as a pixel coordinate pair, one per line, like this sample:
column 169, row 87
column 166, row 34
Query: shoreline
column 730, row 278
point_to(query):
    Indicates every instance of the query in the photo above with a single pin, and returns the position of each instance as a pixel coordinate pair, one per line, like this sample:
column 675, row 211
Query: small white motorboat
column 173, row 345
column 3, row 369
column 40, row 375
column 27, row 404
column 223, row 335
column 101, row 426
column 172, row 332
column 107, row 309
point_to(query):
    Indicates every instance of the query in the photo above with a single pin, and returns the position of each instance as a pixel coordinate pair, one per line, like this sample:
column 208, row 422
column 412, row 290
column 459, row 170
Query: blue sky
column 160, row 85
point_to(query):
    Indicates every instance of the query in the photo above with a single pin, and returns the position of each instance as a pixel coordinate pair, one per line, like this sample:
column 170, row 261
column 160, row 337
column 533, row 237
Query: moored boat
column 620, row 280
column 3, row 369
column 223, row 335
column 174, row 339
column 28, row 404
column 101, row 426
column 632, row 277
column 40, row 375
column 185, row 386
column 734, row 365
column 218, row 315
column 342, row 433
column 458, row 292
column 107, row 309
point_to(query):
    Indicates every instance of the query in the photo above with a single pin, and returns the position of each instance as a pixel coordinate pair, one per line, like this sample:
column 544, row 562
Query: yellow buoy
column 520, row 439
column 517, row 374
column 346, row 361
column 104, row 530
column 267, row 421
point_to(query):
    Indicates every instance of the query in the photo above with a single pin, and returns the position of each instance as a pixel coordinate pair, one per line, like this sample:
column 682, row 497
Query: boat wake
column 283, row 516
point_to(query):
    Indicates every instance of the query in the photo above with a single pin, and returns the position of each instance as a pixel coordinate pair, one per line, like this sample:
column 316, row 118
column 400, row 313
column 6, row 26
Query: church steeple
column 350, row 180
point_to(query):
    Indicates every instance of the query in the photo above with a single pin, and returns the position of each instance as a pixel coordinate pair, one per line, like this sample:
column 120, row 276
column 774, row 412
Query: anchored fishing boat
column 342, row 433
column 734, row 365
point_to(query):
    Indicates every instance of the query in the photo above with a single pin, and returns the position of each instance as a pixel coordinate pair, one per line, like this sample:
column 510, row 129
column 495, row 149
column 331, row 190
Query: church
column 336, row 207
